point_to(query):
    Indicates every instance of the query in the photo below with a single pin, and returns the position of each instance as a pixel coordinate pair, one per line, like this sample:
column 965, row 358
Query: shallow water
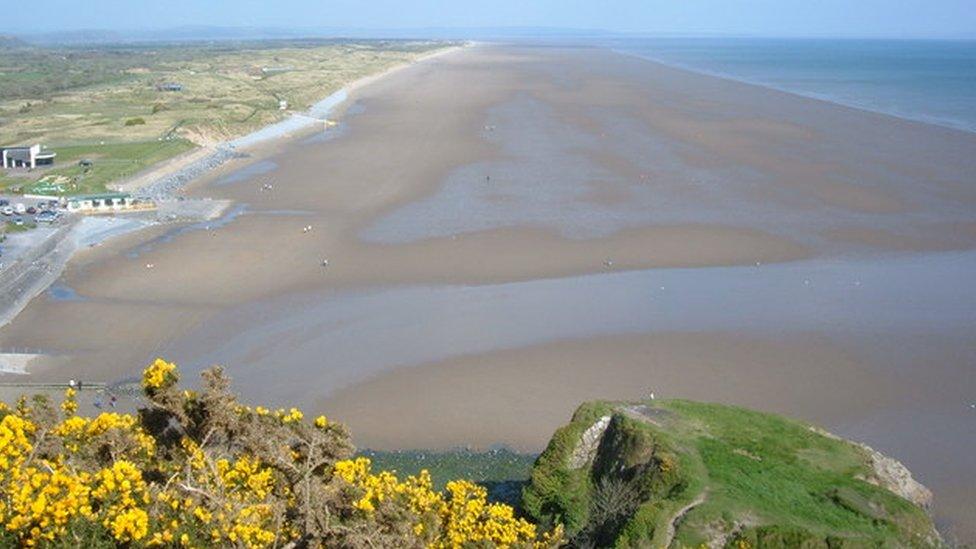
column 248, row 172
column 349, row 337
column 61, row 292
column 212, row 224
column 929, row 80
column 553, row 174
column 336, row 131
column 908, row 318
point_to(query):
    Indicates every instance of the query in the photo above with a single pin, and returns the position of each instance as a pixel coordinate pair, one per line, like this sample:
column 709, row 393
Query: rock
column 889, row 474
column 892, row 475
column 586, row 448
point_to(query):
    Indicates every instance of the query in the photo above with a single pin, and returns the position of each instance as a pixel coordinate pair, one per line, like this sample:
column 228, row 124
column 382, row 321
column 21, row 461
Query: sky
column 847, row 18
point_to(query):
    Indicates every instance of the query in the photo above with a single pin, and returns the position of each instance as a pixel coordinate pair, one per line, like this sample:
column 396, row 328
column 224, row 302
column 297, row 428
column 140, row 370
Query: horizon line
column 523, row 31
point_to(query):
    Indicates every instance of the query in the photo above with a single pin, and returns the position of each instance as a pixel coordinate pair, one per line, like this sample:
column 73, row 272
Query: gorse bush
column 200, row 469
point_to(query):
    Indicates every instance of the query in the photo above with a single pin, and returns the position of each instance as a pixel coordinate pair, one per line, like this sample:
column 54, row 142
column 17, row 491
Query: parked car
column 20, row 208
column 7, row 210
column 46, row 216
column 19, row 221
column 31, row 210
column 4, row 202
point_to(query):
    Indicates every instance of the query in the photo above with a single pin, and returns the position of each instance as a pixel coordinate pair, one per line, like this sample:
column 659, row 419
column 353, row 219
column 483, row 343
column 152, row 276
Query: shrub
column 200, row 469
column 138, row 121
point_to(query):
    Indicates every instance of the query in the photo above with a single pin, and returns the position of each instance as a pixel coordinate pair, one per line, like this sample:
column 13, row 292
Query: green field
column 109, row 162
column 106, row 104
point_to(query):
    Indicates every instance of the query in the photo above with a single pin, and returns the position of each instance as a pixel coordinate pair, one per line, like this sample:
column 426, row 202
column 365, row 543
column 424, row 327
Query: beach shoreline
column 164, row 182
column 364, row 201
column 525, row 222
column 202, row 162
column 859, row 105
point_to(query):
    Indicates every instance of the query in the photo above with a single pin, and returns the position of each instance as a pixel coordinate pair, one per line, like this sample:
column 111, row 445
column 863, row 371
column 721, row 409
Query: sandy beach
column 510, row 230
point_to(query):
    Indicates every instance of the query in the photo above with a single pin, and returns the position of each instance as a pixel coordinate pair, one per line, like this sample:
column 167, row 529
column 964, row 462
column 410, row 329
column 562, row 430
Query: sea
column 931, row 81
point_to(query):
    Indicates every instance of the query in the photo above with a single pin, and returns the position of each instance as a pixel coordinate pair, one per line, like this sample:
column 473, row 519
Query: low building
column 28, row 156
column 103, row 203
column 169, row 87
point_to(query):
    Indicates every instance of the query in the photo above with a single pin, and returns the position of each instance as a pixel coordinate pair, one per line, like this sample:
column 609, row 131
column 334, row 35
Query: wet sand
column 906, row 395
column 492, row 219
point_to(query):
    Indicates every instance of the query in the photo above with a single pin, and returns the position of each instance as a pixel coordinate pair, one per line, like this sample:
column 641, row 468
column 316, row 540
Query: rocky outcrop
column 679, row 473
column 585, row 449
column 889, row 473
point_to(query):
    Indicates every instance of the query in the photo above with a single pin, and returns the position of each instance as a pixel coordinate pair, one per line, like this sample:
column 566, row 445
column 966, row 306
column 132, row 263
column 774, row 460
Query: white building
column 103, row 203
column 26, row 157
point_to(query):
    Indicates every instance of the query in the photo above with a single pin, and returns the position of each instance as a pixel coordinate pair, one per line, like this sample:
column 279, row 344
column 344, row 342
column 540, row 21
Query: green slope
column 679, row 473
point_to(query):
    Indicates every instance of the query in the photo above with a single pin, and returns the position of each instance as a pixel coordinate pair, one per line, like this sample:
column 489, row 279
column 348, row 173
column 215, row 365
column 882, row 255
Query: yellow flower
column 105, row 471
column 69, row 405
column 159, row 375
column 293, row 415
column 129, row 525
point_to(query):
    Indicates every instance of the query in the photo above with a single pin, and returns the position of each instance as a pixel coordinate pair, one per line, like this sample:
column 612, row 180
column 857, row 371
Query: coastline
column 163, row 182
column 490, row 222
column 945, row 123
column 176, row 173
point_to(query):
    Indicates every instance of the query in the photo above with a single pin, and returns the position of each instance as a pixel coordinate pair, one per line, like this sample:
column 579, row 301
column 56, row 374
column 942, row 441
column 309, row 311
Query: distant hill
column 7, row 42
column 686, row 474
column 198, row 33
column 73, row 37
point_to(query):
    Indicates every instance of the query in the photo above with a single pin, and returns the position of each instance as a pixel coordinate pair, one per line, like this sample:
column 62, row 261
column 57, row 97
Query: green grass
column 110, row 162
column 58, row 97
column 73, row 98
column 785, row 473
column 786, row 482
column 33, row 74
column 10, row 227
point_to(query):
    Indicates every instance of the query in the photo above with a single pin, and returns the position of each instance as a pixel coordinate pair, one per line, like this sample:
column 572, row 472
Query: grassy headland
column 686, row 473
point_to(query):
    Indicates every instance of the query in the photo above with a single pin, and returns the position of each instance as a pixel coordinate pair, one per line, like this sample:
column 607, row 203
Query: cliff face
column 678, row 473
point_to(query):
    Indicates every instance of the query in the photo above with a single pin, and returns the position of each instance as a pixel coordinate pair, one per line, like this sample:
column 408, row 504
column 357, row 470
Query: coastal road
column 35, row 269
